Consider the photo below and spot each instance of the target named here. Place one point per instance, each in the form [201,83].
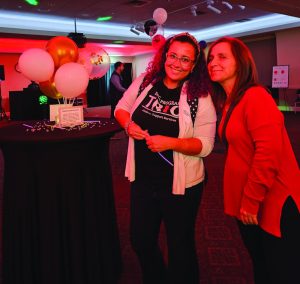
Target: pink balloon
[95,60]
[36,64]
[71,80]
[160,15]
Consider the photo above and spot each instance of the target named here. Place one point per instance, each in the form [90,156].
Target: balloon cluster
[154,27]
[61,69]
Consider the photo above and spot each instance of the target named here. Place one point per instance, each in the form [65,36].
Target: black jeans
[150,205]
[275,260]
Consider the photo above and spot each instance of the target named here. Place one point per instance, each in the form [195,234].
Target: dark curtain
[98,90]
[127,74]
[96,94]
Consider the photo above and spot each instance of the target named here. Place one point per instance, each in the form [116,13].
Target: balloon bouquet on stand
[63,73]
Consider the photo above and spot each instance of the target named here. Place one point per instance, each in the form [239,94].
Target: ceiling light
[102,19]
[32,2]
[118,41]
[242,7]
[134,31]
[194,10]
[227,4]
[140,27]
[212,8]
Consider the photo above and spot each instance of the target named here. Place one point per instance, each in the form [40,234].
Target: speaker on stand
[2,78]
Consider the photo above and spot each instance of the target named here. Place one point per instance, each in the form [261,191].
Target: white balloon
[71,79]
[36,64]
[160,15]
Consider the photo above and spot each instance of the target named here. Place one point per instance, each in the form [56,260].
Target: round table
[59,221]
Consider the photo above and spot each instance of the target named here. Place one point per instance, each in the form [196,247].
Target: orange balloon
[63,50]
[48,88]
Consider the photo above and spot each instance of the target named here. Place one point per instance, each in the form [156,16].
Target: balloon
[159,30]
[63,50]
[96,61]
[158,41]
[48,88]
[150,27]
[84,59]
[160,15]
[36,64]
[71,80]
[202,44]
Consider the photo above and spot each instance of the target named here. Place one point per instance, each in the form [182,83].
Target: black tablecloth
[59,223]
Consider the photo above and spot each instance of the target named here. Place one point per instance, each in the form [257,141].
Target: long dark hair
[246,73]
[198,81]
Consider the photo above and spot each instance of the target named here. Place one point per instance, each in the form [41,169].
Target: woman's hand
[159,143]
[136,132]
[247,218]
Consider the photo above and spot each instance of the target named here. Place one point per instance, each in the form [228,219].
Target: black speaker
[2,75]
[24,105]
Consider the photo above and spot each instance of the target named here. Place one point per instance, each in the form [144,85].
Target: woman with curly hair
[170,119]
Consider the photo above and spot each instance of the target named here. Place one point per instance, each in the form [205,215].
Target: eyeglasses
[184,61]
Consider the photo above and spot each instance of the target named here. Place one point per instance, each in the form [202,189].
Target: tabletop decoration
[48,126]
[63,74]
[55,68]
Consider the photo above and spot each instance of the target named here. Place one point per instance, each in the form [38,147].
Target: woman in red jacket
[261,174]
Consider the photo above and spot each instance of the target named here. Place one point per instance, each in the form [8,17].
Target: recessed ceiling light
[118,41]
[32,2]
[102,19]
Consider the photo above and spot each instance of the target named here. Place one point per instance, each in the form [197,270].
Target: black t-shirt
[158,113]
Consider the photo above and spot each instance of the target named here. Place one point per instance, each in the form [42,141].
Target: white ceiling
[56,17]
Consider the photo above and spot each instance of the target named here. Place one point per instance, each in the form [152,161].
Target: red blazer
[261,170]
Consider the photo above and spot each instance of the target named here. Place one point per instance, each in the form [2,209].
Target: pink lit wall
[288,53]
[14,81]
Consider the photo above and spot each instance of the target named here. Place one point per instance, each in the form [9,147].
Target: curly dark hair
[198,81]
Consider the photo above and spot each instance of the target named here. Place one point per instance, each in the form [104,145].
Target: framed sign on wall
[280,76]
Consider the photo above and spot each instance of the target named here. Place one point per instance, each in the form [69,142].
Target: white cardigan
[188,170]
